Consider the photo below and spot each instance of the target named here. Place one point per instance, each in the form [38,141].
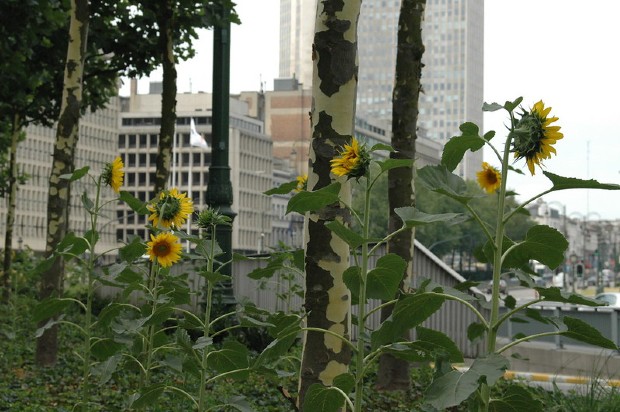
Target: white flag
[195,139]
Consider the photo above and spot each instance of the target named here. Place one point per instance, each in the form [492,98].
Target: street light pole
[219,195]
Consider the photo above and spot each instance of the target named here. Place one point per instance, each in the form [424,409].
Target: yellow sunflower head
[172,209]
[302,183]
[113,174]
[489,178]
[353,160]
[164,248]
[534,136]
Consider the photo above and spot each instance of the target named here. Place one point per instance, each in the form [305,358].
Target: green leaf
[394,163]
[583,332]
[132,251]
[491,107]
[475,331]
[489,135]
[77,174]
[454,150]
[555,294]
[45,264]
[381,146]
[86,202]
[283,189]
[412,217]
[51,322]
[542,243]
[135,204]
[148,396]
[105,348]
[439,179]
[239,403]
[305,201]
[72,245]
[435,342]
[231,357]
[454,387]
[286,330]
[105,369]
[49,308]
[384,279]
[321,398]
[563,183]
[510,106]
[409,312]
[352,277]
[516,398]
[213,277]
[352,238]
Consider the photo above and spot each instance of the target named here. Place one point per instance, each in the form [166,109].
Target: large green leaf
[352,277]
[562,183]
[49,308]
[542,243]
[105,348]
[555,294]
[77,174]
[283,189]
[134,203]
[454,150]
[394,163]
[133,250]
[305,201]
[409,312]
[441,180]
[581,331]
[383,281]
[320,398]
[428,344]
[454,387]
[148,396]
[72,245]
[285,331]
[352,238]
[412,217]
[232,356]
[105,369]
[516,398]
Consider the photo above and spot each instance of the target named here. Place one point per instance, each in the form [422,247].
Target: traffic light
[579,269]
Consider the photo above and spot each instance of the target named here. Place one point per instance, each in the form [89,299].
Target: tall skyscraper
[453,34]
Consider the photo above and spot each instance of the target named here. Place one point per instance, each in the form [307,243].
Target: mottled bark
[168,96]
[10,209]
[393,373]
[63,163]
[327,299]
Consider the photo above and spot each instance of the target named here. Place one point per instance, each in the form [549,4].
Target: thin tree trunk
[393,373]
[10,210]
[63,163]
[168,98]
[327,299]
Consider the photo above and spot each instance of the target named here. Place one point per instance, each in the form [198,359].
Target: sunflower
[165,248]
[353,160]
[489,178]
[113,174]
[534,136]
[172,209]
[302,183]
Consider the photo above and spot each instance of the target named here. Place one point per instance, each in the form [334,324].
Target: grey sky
[561,51]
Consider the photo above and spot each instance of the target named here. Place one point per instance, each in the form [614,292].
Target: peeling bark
[393,373]
[63,163]
[10,210]
[168,97]
[327,299]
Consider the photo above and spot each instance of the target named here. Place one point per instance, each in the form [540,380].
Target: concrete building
[98,134]
[250,162]
[452,78]
[286,111]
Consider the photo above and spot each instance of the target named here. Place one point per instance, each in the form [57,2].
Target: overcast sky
[562,51]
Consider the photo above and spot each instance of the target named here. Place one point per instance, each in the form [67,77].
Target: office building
[452,78]
[96,147]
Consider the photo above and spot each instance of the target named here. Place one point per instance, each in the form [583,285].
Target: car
[502,286]
[612,299]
